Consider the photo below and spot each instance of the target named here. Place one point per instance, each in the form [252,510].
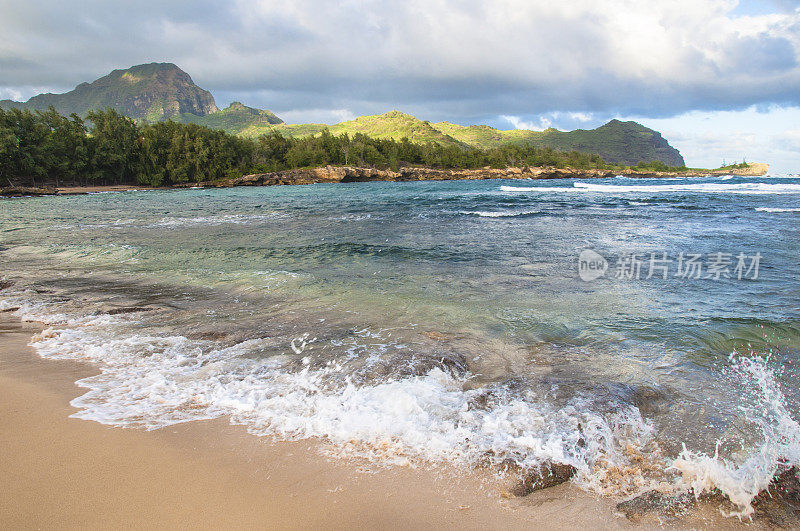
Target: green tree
[115,147]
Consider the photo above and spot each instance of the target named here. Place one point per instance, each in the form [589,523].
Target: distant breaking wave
[485,214]
[704,188]
[768,209]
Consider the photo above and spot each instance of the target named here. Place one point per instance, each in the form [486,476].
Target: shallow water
[439,320]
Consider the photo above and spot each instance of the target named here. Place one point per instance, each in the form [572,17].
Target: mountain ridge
[162,91]
[152,92]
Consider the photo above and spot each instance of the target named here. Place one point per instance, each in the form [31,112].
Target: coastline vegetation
[44,147]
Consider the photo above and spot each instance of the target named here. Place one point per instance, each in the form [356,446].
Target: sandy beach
[61,472]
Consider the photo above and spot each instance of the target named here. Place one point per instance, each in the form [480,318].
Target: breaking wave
[778,449]
[703,188]
[506,214]
[278,389]
[777,210]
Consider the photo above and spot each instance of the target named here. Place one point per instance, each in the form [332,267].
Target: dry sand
[59,472]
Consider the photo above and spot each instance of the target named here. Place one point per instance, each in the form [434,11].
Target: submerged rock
[780,502]
[543,477]
[213,335]
[658,503]
[129,309]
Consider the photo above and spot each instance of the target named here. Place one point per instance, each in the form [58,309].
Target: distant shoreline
[351,174]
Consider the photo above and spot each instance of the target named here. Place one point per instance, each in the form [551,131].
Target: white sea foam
[154,381]
[176,222]
[742,479]
[506,214]
[777,210]
[700,188]
[538,189]
[222,219]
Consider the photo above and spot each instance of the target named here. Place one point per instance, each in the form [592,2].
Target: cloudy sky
[720,78]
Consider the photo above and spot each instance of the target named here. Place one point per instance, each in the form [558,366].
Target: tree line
[44,147]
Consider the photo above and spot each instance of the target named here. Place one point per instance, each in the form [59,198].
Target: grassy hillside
[616,142]
[236,119]
[394,124]
[483,136]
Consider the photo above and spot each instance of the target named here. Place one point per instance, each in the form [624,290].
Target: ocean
[644,331]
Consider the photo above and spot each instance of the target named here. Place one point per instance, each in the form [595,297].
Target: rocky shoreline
[352,174]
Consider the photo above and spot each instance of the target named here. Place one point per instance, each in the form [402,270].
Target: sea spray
[779,448]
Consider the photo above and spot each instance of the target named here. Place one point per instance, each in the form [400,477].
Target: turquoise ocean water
[440,321]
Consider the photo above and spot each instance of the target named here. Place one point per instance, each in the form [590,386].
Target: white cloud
[705,139]
[581,116]
[790,141]
[519,123]
[321,116]
[8,93]
[23,93]
[503,56]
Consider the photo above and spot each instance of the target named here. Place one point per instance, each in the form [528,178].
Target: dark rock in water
[5,284]
[437,336]
[480,402]
[9,310]
[209,336]
[43,291]
[658,503]
[129,309]
[780,503]
[419,365]
[543,477]
[649,400]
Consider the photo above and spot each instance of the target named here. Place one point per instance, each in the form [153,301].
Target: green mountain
[237,119]
[616,142]
[162,91]
[394,124]
[152,92]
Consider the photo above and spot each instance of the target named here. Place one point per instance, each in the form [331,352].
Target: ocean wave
[506,214]
[178,222]
[153,381]
[702,188]
[276,387]
[222,219]
[537,189]
[742,479]
[770,209]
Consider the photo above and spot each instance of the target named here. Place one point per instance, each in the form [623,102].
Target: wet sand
[59,472]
